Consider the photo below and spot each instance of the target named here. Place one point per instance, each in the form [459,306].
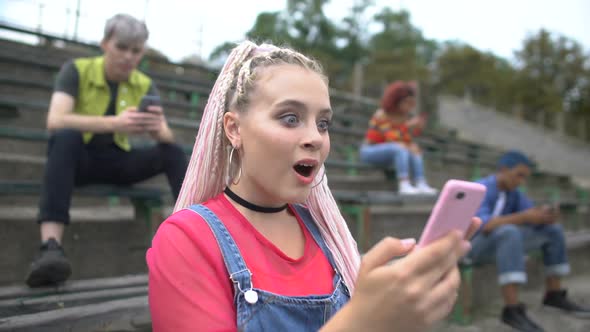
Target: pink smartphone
[457,204]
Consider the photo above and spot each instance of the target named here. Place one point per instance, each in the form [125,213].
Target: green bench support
[463,309]
[147,201]
[172,93]
[144,65]
[194,105]
[361,216]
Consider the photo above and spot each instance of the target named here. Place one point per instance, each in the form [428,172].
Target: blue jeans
[396,155]
[508,244]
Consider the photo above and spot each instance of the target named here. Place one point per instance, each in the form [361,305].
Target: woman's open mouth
[305,170]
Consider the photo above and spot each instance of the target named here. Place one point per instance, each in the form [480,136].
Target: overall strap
[312,227]
[234,262]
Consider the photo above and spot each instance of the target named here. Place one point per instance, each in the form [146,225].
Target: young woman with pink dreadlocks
[257,243]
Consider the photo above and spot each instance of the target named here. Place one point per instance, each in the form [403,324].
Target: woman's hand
[417,122]
[412,293]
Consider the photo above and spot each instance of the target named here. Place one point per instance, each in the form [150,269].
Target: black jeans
[71,163]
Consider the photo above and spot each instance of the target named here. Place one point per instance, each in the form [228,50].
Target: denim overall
[259,310]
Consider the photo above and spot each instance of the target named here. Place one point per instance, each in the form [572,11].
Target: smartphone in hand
[149,100]
[457,204]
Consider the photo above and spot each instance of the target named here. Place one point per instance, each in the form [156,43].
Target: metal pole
[67,25]
[145,10]
[40,19]
[200,41]
[77,20]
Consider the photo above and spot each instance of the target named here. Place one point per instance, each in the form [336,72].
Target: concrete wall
[554,152]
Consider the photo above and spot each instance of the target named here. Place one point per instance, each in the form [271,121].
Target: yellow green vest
[94,93]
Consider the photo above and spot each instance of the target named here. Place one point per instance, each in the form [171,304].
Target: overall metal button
[251,296]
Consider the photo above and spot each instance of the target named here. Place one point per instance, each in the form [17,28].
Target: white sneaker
[405,188]
[424,188]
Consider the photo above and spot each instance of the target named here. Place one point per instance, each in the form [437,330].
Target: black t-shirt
[67,81]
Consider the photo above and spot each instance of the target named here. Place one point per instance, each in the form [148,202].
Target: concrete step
[17,166]
[406,221]
[101,241]
[39,73]
[360,182]
[103,304]
[24,200]
[32,93]
[25,117]
[19,146]
[125,314]
[400,220]
[25,306]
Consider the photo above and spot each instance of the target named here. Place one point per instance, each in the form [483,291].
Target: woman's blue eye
[324,125]
[290,119]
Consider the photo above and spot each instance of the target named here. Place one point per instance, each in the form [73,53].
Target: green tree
[309,27]
[553,74]
[304,26]
[352,42]
[221,52]
[354,34]
[399,33]
[270,27]
[398,51]
[314,34]
[463,70]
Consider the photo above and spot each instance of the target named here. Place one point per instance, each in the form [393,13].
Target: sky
[179,28]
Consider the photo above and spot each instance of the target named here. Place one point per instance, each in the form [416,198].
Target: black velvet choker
[251,206]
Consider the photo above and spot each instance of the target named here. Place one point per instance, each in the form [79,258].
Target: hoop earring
[322,179]
[231,155]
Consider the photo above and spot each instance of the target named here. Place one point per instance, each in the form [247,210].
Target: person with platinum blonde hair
[257,243]
[93,112]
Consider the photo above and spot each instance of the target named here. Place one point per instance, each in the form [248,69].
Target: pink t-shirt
[189,286]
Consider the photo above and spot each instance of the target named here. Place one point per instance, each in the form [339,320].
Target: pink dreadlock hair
[208,172]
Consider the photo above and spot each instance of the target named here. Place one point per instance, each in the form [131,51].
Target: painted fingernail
[408,242]
[466,246]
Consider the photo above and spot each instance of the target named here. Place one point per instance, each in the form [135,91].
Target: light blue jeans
[507,245]
[396,155]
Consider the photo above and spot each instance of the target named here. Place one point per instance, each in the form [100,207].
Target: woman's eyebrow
[299,105]
[292,103]
[326,111]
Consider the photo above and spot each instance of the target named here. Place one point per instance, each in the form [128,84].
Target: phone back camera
[460,195]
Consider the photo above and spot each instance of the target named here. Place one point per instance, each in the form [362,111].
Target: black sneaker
[558,299]
[50,267]
[515,316]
